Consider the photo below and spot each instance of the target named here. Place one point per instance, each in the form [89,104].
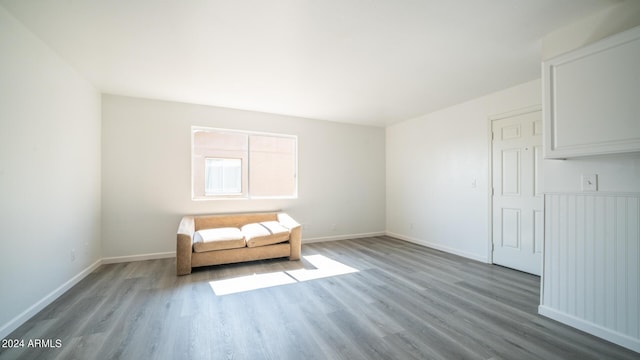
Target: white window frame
[245,194]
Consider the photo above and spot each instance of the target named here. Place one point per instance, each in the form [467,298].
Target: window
[236,164]
[222,176]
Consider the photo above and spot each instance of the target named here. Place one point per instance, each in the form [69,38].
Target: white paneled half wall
[591,264]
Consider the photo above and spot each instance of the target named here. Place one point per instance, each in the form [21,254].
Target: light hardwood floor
[404,302]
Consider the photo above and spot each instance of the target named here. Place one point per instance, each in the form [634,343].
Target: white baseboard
[48,299]
[45,301]
[130,258]
[16,322]
[439,247]
[341,237]
[591,328]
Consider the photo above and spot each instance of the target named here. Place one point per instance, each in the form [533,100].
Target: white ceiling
[372,62]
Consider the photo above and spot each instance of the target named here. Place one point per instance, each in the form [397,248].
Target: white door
[517,208]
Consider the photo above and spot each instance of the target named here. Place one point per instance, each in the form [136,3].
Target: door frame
[490,120]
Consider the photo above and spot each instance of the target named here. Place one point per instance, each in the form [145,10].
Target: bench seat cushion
[265,233]
[218,239]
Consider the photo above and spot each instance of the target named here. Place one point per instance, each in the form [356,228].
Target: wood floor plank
[404,301]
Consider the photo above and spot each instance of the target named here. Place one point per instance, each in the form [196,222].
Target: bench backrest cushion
[231,220]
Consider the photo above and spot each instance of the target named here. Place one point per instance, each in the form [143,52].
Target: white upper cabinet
[591,99]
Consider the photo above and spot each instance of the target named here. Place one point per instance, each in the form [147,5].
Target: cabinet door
[592,98]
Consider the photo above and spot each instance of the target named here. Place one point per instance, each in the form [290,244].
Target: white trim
[246,193]
[17,321]
[440,247]
[591,328]
[130,258]
[48,299]
[516,112]
[490,120]
[241,131]
[490,189]
[544,244]
[594,193]
[342,237]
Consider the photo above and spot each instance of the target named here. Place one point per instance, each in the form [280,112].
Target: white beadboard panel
[591,263]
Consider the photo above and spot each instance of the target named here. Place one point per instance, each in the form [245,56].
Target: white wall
[591,277]
[146,173]
[432,162]
[616,173]
[612,20]
[49,174]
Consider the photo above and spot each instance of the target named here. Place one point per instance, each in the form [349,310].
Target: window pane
[211,179]
[272,166]
[223,176]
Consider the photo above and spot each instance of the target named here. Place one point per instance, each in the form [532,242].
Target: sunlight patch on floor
[250,282]
[323,268]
